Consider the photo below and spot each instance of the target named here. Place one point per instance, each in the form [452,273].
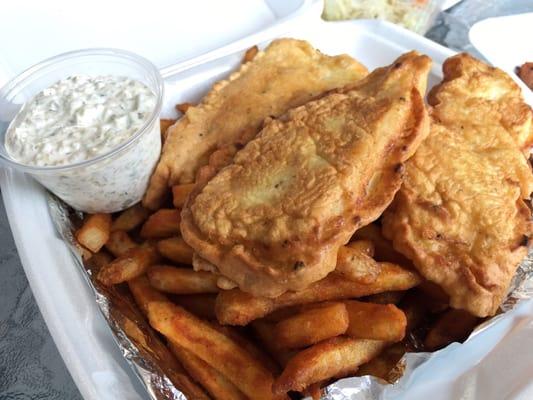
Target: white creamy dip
[78,119]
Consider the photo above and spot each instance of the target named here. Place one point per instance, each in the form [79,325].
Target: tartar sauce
[78,119]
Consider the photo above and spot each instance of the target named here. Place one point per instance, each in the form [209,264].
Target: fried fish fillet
[274,219]
[460,215]
[287,74]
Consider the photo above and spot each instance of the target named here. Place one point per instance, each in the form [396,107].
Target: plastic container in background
[415,15]
[109,182]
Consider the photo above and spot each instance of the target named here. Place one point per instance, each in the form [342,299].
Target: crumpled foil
[139,345]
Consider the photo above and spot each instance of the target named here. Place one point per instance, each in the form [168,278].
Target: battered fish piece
[460,215]
[274,219]
[287,74]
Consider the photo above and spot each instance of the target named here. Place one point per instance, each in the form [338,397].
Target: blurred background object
[416,15]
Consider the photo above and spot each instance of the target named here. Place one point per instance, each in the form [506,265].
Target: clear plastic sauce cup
[111,181]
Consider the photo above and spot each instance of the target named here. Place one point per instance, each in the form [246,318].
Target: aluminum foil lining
[138,346]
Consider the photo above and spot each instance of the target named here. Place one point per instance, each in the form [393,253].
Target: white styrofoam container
[495,364]
[506,42]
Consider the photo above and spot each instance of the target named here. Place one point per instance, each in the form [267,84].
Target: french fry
[235,307]
[164,125]
[383,366]
[312,326]
[356,266]
[213,347]
[94,232]
[334,357]
[201,305]
[175,249]
[363,246]
[144,293]
[130,218]
[314,391]
[265,333]
[181,280]
[180,194]
[130,265]
[183,107]
[175,372]
[213,381]
[383,248]
[225,283]
[283,313]
[248,345]
[119,243]
[375,321]
[83,252]
[452,326]
[250,54]
[162,224]
[97,261]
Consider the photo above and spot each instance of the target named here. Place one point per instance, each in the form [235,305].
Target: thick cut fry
[384,365]
[150,347]
[250,54]
[375,321]
[452,326]
[213,381]
[355,265]
[364,246]
[235,307]
[175,249]
[393,297]
[265,333]
[383,248]
[213,347]
[314,391]
[165,360]
[83,252]
[201,305]
[119,243]
[180,193]
[130,219]
[331,358]
[132,264]
[225,283]
[312,326]
[162,224]
[144,293]
[97,261]
[233,333]
[94,232]
[283,313]
[181,280]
